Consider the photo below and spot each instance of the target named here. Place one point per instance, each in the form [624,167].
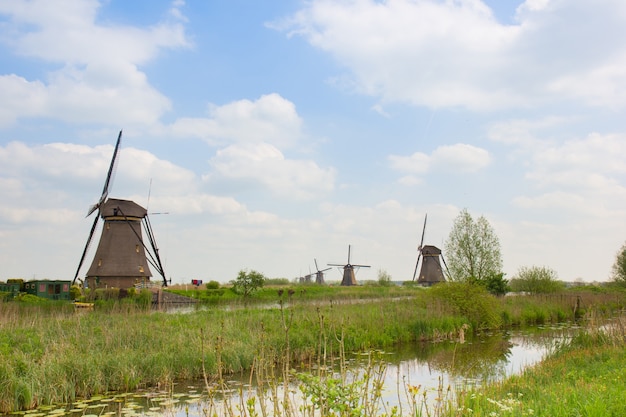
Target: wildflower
[413,389]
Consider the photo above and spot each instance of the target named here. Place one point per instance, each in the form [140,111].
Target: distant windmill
[431,272]
[319,275]
[120,260]
[348,271]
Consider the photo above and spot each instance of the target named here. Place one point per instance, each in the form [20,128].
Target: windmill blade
[446,265]
[423,232]
[323,270]
[155,249]
[348,254]
[316,267]
[82,258]
[108,181]
[416,264]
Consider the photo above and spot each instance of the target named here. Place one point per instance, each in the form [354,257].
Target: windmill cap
[116,207]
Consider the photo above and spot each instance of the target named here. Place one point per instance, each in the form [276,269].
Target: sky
[267,135]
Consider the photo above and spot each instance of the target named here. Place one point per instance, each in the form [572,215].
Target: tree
[472,250]
[619,267]
[536,280]
[248,282]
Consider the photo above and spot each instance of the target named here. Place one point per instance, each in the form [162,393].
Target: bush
[212,285]
[472,301]
[75,293]
[276,281]
[536,280]
[384,279]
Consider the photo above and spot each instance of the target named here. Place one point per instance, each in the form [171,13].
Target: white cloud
[457,158]
[94,74]
[456,53]
[521,132]
[417,163]
[460,157]
[264,164]
[270,119]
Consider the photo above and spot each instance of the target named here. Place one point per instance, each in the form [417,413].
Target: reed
[50,354]
[586,376]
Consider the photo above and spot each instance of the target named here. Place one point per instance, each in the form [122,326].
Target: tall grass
[584,377]
[49,354]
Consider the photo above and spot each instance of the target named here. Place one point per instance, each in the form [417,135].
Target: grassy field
[584,378]
[50,355]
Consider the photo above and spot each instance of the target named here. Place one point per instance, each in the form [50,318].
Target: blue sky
[276,133]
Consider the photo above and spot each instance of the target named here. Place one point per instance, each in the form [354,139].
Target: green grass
[584,378]
[49,354]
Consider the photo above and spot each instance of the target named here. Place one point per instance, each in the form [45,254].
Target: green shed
[52,290]
[10,288]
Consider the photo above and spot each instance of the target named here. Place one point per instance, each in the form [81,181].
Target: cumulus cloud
[269,119]
[93,68]
[35,180]
[458,158]
[264,164]
[580,175]
[448,54]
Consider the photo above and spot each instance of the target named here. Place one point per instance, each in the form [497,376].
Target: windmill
[348,271]
[319,275]
[120,260]
[431,272]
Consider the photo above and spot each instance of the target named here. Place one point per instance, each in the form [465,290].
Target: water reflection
[431,366]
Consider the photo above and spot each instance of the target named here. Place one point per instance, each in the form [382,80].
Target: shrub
[212,285]
[536,280]
[384,279]
[471,301]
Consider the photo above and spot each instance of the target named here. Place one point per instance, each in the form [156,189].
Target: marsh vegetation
[51,355]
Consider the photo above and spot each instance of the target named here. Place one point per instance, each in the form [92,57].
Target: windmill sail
[105,192]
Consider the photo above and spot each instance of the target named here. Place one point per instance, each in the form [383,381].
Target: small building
[52,290]
[10,288]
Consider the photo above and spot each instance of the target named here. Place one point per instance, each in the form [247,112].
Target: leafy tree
[619,267]
[472,250]
[536,280]
[248,282]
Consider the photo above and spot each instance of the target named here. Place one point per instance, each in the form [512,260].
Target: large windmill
[431,272]
[120,260]
[348,271]
[319,275]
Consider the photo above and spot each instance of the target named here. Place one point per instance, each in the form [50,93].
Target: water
[432,369]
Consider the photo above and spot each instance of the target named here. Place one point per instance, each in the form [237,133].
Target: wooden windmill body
[431,271]
[122,258]
[349,277]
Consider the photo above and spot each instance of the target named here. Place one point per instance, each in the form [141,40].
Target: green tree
[619,267]
[472,251]
[248,282]
[536,280]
